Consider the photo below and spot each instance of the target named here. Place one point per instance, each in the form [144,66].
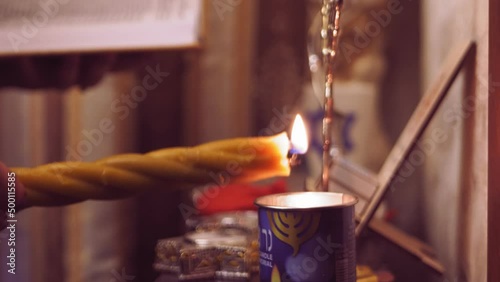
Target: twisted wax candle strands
[220,162]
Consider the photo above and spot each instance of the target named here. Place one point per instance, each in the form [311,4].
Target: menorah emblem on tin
[293,228]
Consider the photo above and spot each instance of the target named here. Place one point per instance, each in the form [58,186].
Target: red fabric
[237,197]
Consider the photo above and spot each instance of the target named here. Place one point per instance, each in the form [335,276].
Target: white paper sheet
[53,26]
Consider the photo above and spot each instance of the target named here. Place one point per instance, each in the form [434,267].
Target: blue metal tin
[307,237]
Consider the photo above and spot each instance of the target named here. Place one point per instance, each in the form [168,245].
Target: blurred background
[251,71]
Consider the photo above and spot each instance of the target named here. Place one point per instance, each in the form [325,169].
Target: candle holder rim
[263,201]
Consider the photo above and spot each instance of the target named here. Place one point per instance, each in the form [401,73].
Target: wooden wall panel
[98,235]
[47,259]
[281,58]
[72,221]
[494,144]
[160,126]
[29,135]
[456,173]
[218,81]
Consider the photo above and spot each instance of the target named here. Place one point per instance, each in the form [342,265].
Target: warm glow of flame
[282,145]
[300,141]
[275,275]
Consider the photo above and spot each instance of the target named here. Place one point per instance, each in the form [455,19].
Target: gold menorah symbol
[293,228]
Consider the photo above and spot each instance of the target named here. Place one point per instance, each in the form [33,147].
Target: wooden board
[494,145]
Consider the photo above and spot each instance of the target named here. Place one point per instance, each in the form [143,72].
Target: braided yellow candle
[219,162]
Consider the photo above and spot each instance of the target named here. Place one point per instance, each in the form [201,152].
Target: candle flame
[300,141]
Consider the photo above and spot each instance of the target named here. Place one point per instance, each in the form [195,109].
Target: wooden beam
[72,221]
[408,243]
[494,144]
